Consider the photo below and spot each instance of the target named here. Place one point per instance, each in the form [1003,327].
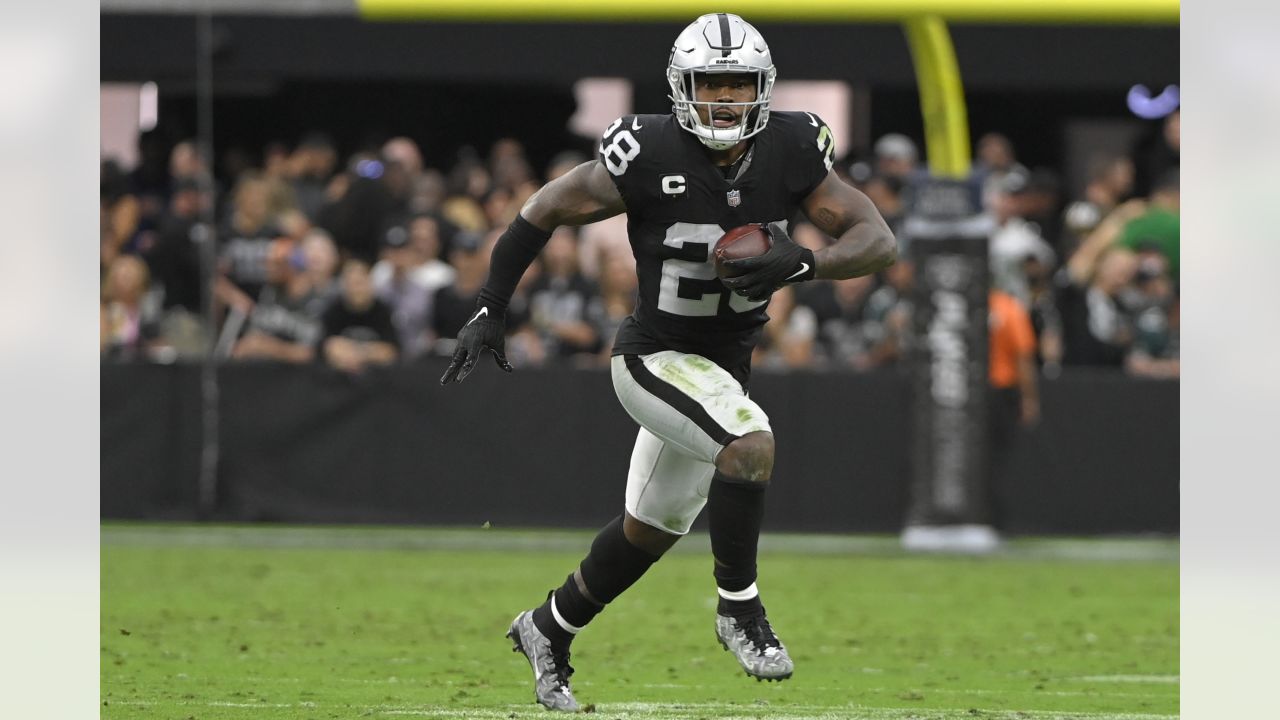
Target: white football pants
[688,409]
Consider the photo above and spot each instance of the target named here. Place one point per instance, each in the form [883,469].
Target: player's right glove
[486,330]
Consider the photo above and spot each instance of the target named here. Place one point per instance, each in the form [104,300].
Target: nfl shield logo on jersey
[734,197]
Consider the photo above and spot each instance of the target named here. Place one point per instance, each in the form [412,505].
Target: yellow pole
[946,121]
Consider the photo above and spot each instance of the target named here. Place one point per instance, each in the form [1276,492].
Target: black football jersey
[678,206]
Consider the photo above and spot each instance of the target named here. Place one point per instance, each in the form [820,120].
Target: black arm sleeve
[512,255]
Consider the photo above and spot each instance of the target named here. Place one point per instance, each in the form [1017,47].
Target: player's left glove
[487,330]
[786,262]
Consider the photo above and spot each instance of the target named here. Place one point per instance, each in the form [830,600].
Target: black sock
[612,566]
[735,511]
[572,605]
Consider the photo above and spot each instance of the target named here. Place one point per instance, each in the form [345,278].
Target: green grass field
[255,622]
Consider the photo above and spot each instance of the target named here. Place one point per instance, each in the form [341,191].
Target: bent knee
[648,538]
[750,457]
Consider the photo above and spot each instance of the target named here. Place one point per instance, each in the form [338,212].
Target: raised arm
[583,195]
[864,243]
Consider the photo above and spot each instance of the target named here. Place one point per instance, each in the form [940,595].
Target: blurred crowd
[379,259]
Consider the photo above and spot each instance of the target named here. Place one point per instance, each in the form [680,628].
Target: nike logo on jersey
[479,314]
[804,268]
[635,124]
[812,120]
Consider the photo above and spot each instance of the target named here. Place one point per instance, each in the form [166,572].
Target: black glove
[786,262]
[486,330]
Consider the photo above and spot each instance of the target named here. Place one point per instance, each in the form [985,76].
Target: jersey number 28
[619,153]
[689,286]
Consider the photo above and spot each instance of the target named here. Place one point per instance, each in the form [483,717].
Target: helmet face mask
[720,44]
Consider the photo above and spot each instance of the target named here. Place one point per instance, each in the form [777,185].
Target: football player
[681,362]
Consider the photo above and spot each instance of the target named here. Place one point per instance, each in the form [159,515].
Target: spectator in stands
[233,162]
[427,193]
[281,203]
[885,192]
[497,205]
[246,239]
[1041,204]
[887,317]
[508,165]
[1095,328]
[1014,396]
[407,283]
[604,242]
[1015,240]
[174,261]
[399,186]
[121,213]
[358,330]
[469,184]
[276,162]
[453,304]
[284,324]
[404,151]
[431,236]
[1152,304]
[1011,364]
[1109,182]
[149,180]
[320,264]
[360,214]
[186,162]
[826,327]
[128,321]
[616,301]
[558,300]
[1045,319]
[1159,225]
[311,168]
[796,339]
[896,157]
[293,224]
[995,161]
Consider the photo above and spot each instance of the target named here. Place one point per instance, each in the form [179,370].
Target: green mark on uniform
[744,415]
[674,375]
[699,363]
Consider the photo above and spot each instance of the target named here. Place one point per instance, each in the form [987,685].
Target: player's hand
[486,330]
[786,262]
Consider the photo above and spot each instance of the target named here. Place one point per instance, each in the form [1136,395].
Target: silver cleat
[551,670]
[756,647]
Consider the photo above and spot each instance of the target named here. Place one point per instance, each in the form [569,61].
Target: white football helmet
[720,43]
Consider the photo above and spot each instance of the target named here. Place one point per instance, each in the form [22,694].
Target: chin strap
[717,144]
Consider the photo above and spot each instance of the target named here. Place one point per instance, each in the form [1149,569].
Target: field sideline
[258,622]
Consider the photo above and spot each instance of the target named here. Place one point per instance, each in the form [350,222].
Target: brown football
[741,242]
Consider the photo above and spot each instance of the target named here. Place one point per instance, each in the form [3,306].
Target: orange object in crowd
[1011,336]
